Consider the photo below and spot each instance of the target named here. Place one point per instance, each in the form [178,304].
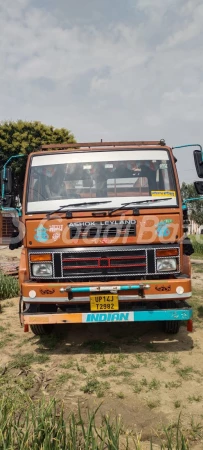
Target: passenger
[54,182]
[100,176]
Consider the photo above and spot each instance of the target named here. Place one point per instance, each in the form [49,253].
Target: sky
[106,69]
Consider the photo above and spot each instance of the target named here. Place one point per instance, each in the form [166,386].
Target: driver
[54,181]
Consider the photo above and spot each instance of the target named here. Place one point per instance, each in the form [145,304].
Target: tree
[23,138]
[195,208]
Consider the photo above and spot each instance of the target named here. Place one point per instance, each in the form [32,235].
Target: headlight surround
[166,265]
[42,270]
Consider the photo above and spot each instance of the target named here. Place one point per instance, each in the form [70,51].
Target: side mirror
[198,163]
[199,187]
[6,181]
[6,187]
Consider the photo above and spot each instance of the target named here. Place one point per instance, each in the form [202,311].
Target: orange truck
[102,231]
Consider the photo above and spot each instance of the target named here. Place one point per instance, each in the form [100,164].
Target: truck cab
[103,237]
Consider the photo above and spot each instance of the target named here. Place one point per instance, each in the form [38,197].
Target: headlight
[166,264]
[42,270]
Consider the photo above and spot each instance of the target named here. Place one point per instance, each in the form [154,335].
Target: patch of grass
[22,361]
[9,287]
[138,385]
[196,431]
[26,383]
[175,361]
[177,404]
[185,372]
[102,362]
[137,388]
[174,438]
[194,398]
[94,386]
[111,371]
[68,365]
[197,245]
[120,395]
[63,378]
[153,403]
[144,382]
[124,373]
[134,366]
[41,358]
[173,384]
[154,384]
[102,388]
[4,341]
[161,357]
[42,425]
[160,367]
[81,369]
[25,360]
[2,329]
[119,358]
[141,358]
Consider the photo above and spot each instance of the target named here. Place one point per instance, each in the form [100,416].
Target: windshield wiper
[75,204]
[139,202]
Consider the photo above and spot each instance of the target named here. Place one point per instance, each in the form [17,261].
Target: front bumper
[151,290]
[101,317]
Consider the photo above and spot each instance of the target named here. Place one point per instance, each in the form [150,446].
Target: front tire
[171,326]
[41,330]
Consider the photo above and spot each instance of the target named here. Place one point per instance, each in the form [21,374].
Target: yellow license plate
[101,302]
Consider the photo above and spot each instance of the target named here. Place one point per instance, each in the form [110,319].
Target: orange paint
[52,318]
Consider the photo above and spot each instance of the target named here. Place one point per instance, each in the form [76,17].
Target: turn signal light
[167,252]
[41,257]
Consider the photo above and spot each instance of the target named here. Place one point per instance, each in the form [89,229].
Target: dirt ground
[134,370]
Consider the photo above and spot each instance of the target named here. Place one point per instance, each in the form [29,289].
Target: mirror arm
[191,145]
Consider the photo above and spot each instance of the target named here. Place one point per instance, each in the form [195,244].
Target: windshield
[119,176]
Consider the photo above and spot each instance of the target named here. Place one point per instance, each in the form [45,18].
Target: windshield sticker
[163,166]
[163,229]
[41,234]
[87,167]
[163,193]
[108,166]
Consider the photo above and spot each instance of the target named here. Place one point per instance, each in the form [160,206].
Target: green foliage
[42,426]
[195,208]
[9,287]
[26,137]
[197,244]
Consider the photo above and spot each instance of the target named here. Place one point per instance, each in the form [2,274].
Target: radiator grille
[108,264]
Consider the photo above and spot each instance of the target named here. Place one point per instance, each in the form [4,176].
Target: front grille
[102,231]
[105,265]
